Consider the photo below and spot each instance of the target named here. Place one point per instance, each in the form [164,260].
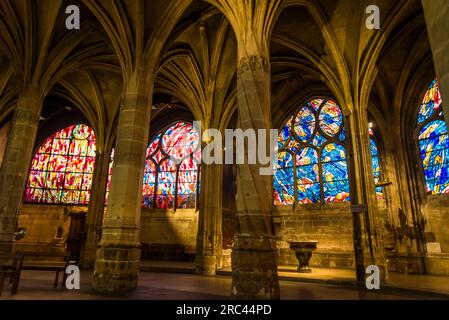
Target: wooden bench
[10,268]
[57,262]
[177,250]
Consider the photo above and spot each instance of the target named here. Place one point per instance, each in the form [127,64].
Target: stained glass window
[171,170]
[62,168]
[108,184]
[312,165]
[376,163]
[434,141]
[171,176]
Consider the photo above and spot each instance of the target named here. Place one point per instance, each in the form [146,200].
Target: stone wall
[42,223]
[169,226]
[436,213]
[331,225]
[158,226]
[404,257]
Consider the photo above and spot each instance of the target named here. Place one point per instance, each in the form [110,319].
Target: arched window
[312,165]
[62,168]
[434,142]
[377,169]
[171,175]
[172,168]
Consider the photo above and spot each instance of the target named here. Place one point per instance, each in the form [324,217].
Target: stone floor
[435,285]
[432,284]
[36,285]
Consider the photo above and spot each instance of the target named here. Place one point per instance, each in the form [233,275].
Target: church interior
[91,119]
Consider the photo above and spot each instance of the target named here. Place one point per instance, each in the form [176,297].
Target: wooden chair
[10,267]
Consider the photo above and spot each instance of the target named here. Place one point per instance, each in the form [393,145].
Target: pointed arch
[433,141]
[62,168]
[312,165]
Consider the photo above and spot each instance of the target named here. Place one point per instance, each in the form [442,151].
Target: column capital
[253,63]
[26,115]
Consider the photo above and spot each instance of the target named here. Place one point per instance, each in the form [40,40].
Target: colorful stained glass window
[171,173]
[62,169]
[312,165]
[376,163]
[108,185]
[171,170]
[434,141]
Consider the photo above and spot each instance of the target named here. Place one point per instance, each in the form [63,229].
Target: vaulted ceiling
[317,47]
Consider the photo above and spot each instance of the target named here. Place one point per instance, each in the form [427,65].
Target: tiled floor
[37,285]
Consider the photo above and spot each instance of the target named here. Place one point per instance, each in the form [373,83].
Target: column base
[116,270]
[206,264]
[254,275]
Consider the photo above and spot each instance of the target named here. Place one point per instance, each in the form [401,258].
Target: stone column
[96,208]
[209,238]
[368,235]
[16,162]
[436,13]
[254,265]
[118,256]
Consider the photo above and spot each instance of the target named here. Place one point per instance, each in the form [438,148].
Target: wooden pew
[57,262]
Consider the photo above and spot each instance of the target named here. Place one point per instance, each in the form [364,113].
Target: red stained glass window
[171,173]
[171,169]
[62,169]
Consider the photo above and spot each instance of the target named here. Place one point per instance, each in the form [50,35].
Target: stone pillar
[16,163]
[254,263]
[4,133]
[368,235]
[436,13]
[209,238]
[96,208]
[118,256]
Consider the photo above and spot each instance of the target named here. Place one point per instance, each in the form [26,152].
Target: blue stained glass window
[315,138]
[377,170]
[431,103]
[434,142]
[283,136]
[304,124]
